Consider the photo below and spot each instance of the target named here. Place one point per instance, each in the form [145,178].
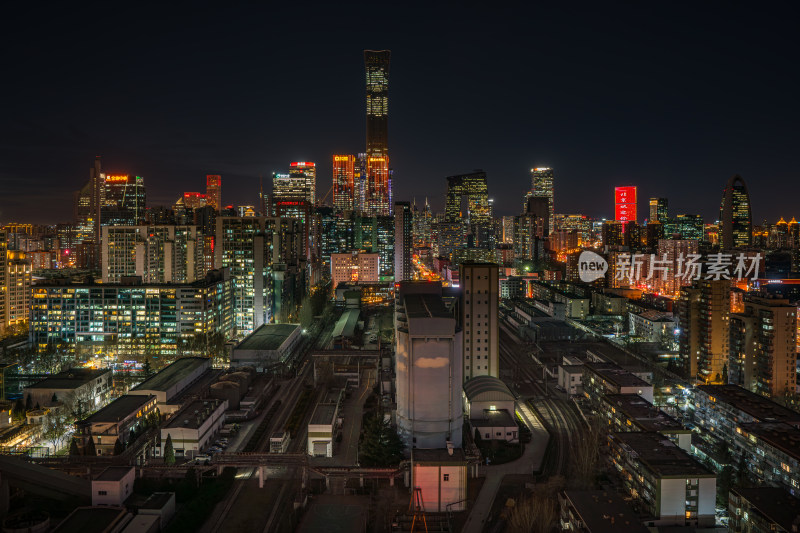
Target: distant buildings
[735,219]
[378,184]
[542,187]
[214,192]
[15,286]
[356,268]
[659,210]
[403,241]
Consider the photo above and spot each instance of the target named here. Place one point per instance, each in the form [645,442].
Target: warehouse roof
[172,374]
[268,337]
[119,409]
[70,379]
[482,384]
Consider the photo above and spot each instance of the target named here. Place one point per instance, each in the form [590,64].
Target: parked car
[202,460]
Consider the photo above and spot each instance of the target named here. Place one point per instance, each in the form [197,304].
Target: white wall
[116,492]
[431,480]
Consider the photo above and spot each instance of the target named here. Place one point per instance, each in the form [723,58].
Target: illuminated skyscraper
[376,63]
[378,186]
[344,184]
[307,172]
[123,200]
[658,209]
[467,208]
[735,220]
[542,186]
[214,191]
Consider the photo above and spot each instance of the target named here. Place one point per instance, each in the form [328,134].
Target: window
[445,477]
[102,492]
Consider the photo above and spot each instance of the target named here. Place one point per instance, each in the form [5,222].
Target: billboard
[625,204]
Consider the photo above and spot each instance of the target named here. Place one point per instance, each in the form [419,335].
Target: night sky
[672,99]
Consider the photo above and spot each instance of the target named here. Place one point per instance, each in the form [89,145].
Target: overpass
[40,480]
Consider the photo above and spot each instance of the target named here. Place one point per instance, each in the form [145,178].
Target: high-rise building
[428,366]
[670,253]
[214,191]
[480,292]
[306,173]
[542,186]
[689,226]
[378,185]
[763,346]
[344,184]
[403,241]
[474,213]
[625,204]
[735,219]
[292,198]
[124,201]
[423,221]
[156,254]
[355,267]
[704,324]
[15,286]
[612,233]
[376,63]
[658,209]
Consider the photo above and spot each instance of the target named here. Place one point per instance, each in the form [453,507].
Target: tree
[725,374]
[585,454]
[91,449]
[56,427]
[54,399]
[169,451]
[380,444]
[28,403]
[18,411]
[73,448]
[118,449]
[535,514]
[147,368]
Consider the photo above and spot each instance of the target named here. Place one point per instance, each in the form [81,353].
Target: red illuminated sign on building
[302,164]
[625,204]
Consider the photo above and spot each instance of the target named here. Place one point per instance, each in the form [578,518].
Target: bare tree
[538,513]
[585,455]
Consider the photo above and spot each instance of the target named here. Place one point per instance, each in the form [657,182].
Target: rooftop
[648,417]
[604,512]
[773,503]
[268,337]
[157,500]
[660,455]
[482,384]
[194,414]
[323,414]
[171,375]
[346,325]
[114,473]
[616,375]
[425,306]
[497,418]
[91,520]
[759,407]
[119,409]
[784,437]
[439,456]
[70,379]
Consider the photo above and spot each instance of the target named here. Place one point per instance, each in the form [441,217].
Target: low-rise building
[600,379]
[86,385]
[652,326]
[762,510]
[194,427]
[170,382]
[161,505]
[279,441]
[113,486]
[103,519]
[489,406]
[321,430]
[665,482]
[597,511]
[115,422]
[441,475]
[570,379]
[268,346]
[772,453]
[631,412]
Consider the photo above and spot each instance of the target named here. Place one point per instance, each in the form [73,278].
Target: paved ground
[530,461]
[333,514]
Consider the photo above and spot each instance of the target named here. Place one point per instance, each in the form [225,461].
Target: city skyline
[662,137]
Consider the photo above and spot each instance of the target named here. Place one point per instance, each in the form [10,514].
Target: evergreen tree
[91,449]
[18,412]
[380,444]
[54,399]
[117,447]
[169,452]
[725,374]
[147,368]
[73,448]
[28,403]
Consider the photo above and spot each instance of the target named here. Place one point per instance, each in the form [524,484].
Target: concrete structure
[735,219]
[597,511]
[115,422]
[194,427]
[600,379]
[771,452]
[570,379]
[15,286]
[356,267]
[170,382]
[762,509]
[403,241]
[428,367]
[160,505]
[268,346]
[279,441]
[480,293]
[490,408]
[87,385]
[442,478]
[321,430]
[631,412]
[102,519]
[113,486]
[704,323]
[666,483]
